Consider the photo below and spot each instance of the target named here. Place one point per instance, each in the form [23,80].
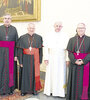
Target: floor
[17,94]
[41,96]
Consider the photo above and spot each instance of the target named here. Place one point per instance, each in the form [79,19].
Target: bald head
[32,25]
[58,26]
[31,28]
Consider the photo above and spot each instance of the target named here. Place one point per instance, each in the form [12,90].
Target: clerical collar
[81,37]
[31,35]
[7,26]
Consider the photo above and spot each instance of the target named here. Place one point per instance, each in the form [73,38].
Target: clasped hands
[79,62]
[46,62]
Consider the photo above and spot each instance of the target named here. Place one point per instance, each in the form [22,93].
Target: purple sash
[10,45]
[84,95]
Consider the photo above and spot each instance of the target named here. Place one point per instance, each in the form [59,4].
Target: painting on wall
[21,10]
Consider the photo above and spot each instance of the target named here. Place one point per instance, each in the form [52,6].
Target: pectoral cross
[78,52]
[6,37]
[30,48]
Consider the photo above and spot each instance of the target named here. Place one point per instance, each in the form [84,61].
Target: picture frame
[21,10]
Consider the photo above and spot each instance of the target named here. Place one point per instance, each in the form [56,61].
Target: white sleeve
[66,55]
[45,53]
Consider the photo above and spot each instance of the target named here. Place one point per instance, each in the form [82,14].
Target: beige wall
[70,12]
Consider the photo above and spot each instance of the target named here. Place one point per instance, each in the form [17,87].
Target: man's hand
[15,58]
[79,62]
[21,65]
[46,62]
[67,63]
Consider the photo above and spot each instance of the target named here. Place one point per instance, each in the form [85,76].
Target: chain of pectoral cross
[30,43]
[78,47]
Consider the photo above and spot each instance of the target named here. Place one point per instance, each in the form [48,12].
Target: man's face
[58,27]
[81,29]
[31,28]
[7,20]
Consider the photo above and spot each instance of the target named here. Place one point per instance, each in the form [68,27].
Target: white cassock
[54,50]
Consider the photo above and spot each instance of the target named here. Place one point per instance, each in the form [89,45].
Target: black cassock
[75,88]
[8,39]
[30,73]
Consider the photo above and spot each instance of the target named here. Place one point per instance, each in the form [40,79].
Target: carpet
[32,99]
[17,95]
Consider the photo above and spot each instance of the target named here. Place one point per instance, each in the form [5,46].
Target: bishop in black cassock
[79,72]
[8,39]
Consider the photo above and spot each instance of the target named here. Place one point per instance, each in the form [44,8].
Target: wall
[70,12]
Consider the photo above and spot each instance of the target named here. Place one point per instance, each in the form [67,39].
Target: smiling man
[79,54]
[30,57]
[55,44]
[8,39]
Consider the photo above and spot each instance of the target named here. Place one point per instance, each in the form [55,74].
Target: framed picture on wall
[21,10]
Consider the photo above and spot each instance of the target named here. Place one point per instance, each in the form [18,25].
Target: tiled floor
[41,96]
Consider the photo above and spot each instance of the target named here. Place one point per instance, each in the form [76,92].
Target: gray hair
[7,15]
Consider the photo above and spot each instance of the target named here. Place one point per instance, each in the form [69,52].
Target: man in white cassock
[56,59]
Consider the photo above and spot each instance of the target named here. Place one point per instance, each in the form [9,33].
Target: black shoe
[10,93]
[51,94]
[22,94]
[35,93]
[3,94]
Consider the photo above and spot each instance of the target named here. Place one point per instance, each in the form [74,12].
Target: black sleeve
[70,52]
[71,57]
[16,38]
[20,55]
[40,49]
[86,59]
[40,54]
